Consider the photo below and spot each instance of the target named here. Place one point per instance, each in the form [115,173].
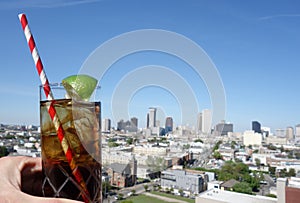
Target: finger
[32,177]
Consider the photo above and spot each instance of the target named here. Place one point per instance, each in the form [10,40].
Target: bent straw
[52,112]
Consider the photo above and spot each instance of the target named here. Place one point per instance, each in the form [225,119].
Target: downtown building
[223,128]
[106,125]
[204,121]
[169,125]
[256,127]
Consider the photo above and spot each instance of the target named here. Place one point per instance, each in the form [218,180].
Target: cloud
[279,16]
[17,4]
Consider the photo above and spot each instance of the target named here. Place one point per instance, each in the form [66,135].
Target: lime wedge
[80,87]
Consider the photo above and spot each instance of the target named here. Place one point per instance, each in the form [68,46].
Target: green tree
[129,141]
[133,192]
[120,195]
[257,162]
[217,155]
[186,146]
[291,173]
[297,155]
[283,173]
[242,187]
[180,192]
[233,144]
[156,164]
[3,151]
[146,187]
[217,145]
[272,170]
[271,147]
[105,187]
[112,144]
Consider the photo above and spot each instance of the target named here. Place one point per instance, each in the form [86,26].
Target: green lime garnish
[80,87]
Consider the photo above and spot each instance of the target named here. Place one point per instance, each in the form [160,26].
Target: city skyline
[203,121]
[254,46]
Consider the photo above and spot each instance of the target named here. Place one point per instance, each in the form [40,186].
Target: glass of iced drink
[80,120]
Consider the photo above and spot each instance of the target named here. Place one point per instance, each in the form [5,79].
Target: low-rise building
[123,175]
[177,179]
[274,140]
[223,196]
[252,138]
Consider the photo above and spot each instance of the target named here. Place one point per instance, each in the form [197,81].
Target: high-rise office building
[199,122]
[206,121]
[297,132]
[289,133]
[152,117]
[169,124]
[256,127]
[147,124]
[134,122]
[106,125]
[223,128]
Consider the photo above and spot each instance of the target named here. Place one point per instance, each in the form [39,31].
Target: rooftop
[223,196]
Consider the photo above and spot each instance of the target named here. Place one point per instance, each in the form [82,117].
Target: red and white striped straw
[52,112]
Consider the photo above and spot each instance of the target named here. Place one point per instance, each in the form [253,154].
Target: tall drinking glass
[80,121]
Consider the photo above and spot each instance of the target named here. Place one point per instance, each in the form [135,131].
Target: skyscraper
[147,120]
[152,117]
[206,121]
[106,125]
[223,128]
[289,133]
[256,127]
[134,122]
[169,124]
[199,122]
[297,132]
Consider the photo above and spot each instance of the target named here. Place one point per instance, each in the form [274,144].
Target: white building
[106,125]
[222,196]
[261,157]
[152,117]
[297,132]
[289,133]
[206,121]
[276,140]
[148,150]
[252,138]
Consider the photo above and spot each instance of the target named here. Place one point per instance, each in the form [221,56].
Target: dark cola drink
[81,125]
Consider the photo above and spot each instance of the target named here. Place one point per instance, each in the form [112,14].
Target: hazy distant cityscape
[187,161]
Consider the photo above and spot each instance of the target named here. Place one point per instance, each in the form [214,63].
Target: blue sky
[254,45]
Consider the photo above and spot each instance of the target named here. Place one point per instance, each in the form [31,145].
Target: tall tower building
[147,125]
[106,125]
[297,132]
[256,127]
[199,122]
[289,133]
[152,117]
[134,122]
[223,128]
[206,121]
[169,124]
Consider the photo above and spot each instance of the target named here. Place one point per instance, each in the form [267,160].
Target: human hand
[21,181]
